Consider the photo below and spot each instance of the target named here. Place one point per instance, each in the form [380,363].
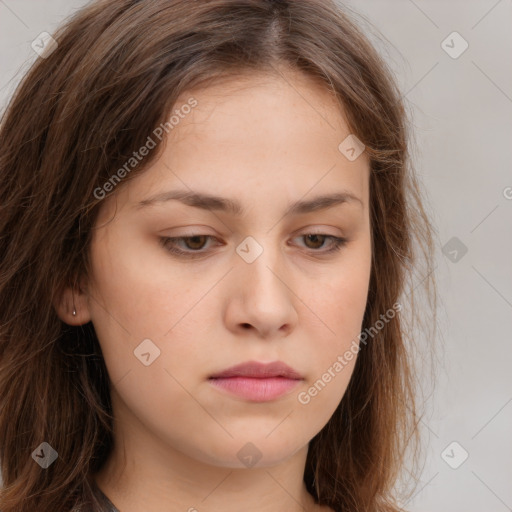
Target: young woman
[208,221]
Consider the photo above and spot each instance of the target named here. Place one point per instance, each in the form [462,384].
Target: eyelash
[337,244]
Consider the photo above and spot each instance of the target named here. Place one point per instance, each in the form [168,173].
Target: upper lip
[259,370]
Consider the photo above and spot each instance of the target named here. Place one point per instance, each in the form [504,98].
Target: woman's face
[250,285]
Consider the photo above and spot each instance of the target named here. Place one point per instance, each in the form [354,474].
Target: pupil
[315,237]
[194,239]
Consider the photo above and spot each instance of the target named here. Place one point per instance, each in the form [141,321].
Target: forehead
[261,102]
[256,133]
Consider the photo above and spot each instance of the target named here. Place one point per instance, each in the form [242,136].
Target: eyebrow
[223,204]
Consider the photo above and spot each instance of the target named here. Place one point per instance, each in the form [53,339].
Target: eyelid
[315,230]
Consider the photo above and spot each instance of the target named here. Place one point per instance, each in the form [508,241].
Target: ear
[71,299]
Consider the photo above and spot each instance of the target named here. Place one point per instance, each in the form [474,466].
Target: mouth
[257,382]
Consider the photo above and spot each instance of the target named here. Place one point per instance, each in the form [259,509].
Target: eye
[192,246]
[317,241]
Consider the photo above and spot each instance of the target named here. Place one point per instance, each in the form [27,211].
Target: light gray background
[462,112]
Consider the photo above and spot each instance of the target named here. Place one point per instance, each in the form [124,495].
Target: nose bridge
[259,254]
[262,274]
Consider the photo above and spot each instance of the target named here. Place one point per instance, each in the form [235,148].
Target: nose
[262,300]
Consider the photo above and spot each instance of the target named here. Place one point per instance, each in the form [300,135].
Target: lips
[257,382]
[256,370]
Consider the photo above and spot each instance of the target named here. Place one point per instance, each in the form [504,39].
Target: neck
[143,473]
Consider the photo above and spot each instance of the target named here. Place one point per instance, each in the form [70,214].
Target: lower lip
[256,389]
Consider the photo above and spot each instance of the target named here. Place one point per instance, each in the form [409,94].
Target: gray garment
[104,503]
[107,505]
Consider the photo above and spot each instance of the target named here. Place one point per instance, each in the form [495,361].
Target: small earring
[74,311]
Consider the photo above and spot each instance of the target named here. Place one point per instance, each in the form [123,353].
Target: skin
[265,141]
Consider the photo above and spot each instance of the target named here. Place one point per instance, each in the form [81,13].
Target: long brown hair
[75,119]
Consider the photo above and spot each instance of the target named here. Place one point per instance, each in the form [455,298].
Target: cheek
[138,295]
[333,355]
[338,298]
[319,399]
[337,307]
[136,285]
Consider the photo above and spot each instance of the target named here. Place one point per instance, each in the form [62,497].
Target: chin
[254,452]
